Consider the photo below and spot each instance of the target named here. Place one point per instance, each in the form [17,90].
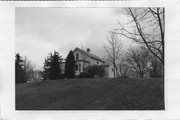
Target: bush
[124,76]
[85,75]
[61,76]
[156,70]
[96,71]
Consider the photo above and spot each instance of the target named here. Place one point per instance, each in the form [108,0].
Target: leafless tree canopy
[123,67]
[138,60]
[31,73]
[147,28]
[113,48]
[29,69]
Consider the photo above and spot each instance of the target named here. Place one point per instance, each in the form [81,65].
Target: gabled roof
[89,54]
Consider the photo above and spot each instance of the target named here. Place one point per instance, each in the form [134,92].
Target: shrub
[85,75]
[96,71]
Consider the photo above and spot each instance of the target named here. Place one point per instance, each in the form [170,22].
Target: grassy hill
[92,94]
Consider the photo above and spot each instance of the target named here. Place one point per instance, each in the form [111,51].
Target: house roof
[89,54]
[82,61]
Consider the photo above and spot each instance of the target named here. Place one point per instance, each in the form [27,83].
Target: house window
[112,69]
[97,62]
[77,56]
[77,67]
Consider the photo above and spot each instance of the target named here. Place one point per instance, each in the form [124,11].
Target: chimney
[88,50]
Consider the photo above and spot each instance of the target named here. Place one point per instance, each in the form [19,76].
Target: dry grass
[92,94]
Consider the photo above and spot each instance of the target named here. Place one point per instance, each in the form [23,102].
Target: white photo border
[7,68]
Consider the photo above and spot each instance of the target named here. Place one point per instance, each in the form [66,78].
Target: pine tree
[156,68]
[19,71]
[52,66]
[70,66]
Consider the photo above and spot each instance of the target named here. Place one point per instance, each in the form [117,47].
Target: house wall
[106,71]
[111,71]
[81,63]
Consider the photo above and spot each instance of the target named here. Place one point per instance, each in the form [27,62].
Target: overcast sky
[39,31]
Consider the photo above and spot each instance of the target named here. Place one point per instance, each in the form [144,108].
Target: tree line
[25,72]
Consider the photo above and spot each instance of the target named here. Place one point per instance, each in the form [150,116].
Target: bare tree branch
[148,28]
[113,48]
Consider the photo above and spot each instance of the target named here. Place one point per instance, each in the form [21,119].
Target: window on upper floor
[77,56]
[97,62]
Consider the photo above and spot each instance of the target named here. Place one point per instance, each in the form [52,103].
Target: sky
[39,31]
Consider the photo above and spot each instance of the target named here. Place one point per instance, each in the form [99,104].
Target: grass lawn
[92,94]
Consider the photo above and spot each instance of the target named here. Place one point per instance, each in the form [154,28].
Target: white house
[85,58]
[109,70]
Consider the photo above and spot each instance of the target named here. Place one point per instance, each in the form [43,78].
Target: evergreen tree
[70,66]
[156,68]
[19,70]
[52,66]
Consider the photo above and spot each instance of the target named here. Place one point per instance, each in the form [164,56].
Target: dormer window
[77,56]
[97,62]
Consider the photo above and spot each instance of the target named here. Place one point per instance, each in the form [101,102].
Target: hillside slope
[91,94]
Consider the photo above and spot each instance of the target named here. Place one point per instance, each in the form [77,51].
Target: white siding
[86,58]
[108,69]
[111,71]
[80,65]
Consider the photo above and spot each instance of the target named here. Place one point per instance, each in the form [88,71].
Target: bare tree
[138,60]
[113,48]
[147,28]
[123,67]
[29,69]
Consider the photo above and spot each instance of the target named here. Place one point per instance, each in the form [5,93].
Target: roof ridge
[90,54]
